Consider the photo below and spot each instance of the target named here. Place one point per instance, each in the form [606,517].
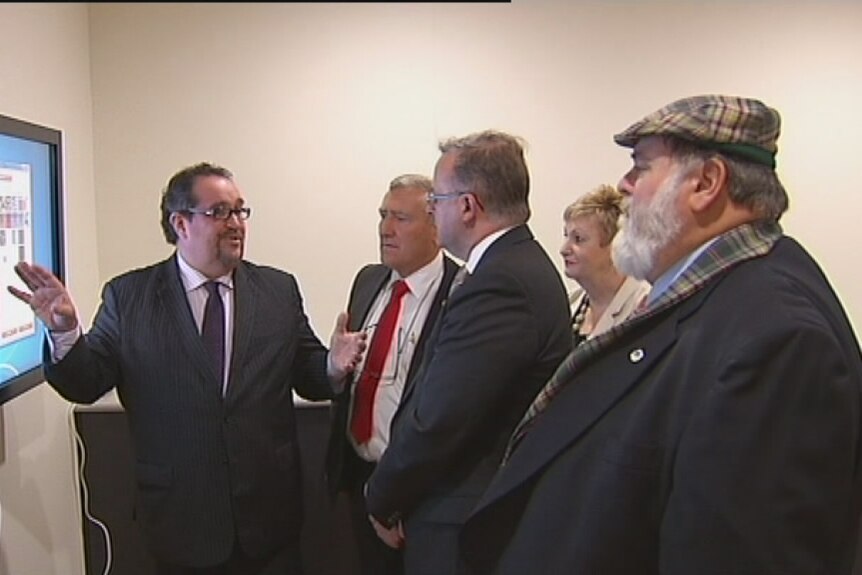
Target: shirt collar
[422,278]
[479,249]
[739,244]
[671,275]
[193,279]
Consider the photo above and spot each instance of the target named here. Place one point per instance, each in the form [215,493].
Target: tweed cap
[737,126]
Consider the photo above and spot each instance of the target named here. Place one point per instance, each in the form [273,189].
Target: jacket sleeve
[310,377]
[91,368]
[765,467]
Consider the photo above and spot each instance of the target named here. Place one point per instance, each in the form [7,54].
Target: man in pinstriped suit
[217,460]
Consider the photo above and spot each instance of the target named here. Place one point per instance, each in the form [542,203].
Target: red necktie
[381,341]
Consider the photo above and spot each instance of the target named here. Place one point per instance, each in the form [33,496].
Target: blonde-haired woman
[605,297]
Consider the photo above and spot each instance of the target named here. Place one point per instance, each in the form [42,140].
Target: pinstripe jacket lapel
[245,314]
[176,305]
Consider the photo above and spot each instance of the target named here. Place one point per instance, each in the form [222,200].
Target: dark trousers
[375,557]
[286,561]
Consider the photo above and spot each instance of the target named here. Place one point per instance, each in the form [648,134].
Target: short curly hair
[604,202]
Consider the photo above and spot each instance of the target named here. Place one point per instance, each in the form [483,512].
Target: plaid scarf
[742,243]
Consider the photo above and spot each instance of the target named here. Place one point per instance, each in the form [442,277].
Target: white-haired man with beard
[720,429]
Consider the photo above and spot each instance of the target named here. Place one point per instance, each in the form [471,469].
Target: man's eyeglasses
[222,212]
[434,198]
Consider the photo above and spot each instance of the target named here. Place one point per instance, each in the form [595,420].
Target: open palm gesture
[48,297]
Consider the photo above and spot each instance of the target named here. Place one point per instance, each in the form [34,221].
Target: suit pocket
[154,484]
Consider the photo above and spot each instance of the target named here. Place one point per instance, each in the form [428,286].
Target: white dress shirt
[415,306]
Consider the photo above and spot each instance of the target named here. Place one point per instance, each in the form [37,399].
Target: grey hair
[491,165]
[412,181]
[752,185]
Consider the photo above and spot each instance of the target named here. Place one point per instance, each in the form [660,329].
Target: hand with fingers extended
[48,297]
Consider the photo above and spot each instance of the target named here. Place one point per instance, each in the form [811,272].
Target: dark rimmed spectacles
[222,212]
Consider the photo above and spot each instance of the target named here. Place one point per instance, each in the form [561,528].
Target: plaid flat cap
[737,126]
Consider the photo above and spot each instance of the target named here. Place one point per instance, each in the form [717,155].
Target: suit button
[636,355]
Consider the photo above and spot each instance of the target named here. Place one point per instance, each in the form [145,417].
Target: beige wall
[45,78]
[317,107]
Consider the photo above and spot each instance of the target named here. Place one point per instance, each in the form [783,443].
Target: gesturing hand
[49,298]
[345,347]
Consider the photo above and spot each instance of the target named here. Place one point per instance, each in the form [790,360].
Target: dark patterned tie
[459,278]
[212,330]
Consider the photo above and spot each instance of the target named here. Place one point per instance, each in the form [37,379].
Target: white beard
[647,228]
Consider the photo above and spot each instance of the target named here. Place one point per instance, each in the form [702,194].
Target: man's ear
[711,181]
[469,206]
[180,224]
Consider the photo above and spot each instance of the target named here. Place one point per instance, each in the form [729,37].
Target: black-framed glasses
[434,198]
[222,212]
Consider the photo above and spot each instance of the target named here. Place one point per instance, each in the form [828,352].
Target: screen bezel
[52,138]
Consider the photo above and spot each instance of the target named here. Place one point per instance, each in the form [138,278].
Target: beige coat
[623,305]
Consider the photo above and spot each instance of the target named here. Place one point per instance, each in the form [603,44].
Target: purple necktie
[212,331]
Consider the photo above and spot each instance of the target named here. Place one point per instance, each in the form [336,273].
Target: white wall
[45,79]
[317,107]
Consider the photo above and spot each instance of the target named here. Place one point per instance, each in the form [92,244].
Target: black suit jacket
[722,435]
[501,335]
[209,470]
[366,285]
